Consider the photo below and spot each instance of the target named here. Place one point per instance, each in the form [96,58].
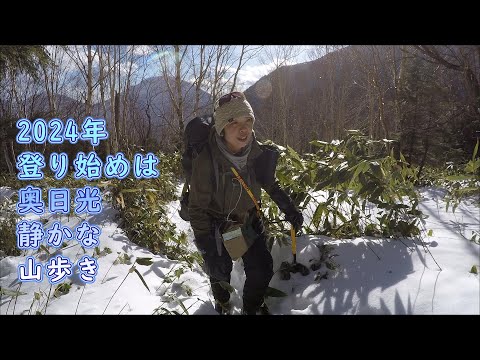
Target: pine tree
[27,58]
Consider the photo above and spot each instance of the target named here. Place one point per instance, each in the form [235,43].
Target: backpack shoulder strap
[215,165]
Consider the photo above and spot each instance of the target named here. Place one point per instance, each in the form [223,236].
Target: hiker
[224,217]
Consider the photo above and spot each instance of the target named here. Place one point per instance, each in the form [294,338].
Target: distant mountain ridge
[315,95]
[148,99]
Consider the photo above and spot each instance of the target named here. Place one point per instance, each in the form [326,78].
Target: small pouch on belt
[235,242]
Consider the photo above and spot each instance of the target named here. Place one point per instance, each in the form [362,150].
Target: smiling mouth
[242,138]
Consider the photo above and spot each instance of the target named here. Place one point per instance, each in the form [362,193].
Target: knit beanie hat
[235,107]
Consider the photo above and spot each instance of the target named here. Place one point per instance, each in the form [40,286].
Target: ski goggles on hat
[227,97]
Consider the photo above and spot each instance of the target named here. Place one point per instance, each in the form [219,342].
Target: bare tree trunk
[216,78]
[331,94]
[113,103]
[380,91]
[126,97]
[279,56]
[7,160]
[120,130]
[238,68]
[396,77]
[149,129]
[205,61]
[117,114]
[176,93]
[282,103]
[199,79]
[101,81]
[49,91]
[371,110]
[370,65]
[178,84]
[88,104]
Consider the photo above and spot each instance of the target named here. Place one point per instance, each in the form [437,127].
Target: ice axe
[286,268]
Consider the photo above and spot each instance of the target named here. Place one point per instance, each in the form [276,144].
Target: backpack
[195,138]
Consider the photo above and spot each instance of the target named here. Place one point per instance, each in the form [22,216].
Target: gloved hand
[253,227]
[295,218]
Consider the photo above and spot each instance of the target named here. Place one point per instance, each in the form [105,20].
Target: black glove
[253,227]
[295,218]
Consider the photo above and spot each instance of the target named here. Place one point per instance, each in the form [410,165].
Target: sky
[260,65]
[252,70]
[365,276]
[144,62]
[141,61]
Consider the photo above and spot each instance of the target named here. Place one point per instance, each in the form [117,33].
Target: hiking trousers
[258,266]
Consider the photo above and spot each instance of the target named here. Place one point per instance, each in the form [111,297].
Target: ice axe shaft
[286,268]
[294,244]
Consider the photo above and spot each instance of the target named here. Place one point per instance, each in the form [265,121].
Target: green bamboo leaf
[225,285]
[151,197]
[124,191]
[318,213]
[458,177]
[141,278]
[472,166]
[272,292]
[318,143]
[468,189]
[180,302]
[144,261]
[297,163]
[454,207]
[11,293]
[430,232]
[281,177]
[152,190]
[475,151]
[179,272]
[359,168]
[341,216]
[293,153]
[474,270]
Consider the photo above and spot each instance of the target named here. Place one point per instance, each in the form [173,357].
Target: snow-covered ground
[365,276]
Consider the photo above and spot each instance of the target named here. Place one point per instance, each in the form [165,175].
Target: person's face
[238,133]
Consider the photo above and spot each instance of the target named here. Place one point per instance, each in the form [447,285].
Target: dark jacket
[215,193]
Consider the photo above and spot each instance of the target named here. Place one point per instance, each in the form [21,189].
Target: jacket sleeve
[201,193]
[281,198]
[265,168]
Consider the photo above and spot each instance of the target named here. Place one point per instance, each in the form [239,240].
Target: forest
[363,133]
